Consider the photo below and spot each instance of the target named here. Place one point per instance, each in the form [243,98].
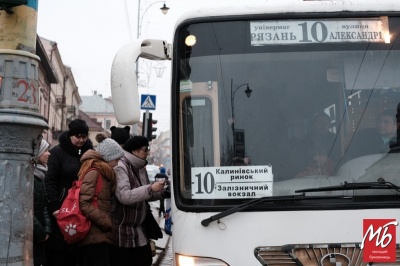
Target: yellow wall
[18,30]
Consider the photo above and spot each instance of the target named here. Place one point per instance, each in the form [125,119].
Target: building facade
[59,95]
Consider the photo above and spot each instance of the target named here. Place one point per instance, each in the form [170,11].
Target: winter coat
[101,230]
[41,219]
[130,205]
[63,168]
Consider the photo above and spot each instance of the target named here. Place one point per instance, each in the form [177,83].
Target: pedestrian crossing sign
[148,102]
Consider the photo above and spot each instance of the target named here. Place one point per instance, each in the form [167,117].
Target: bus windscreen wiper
[243,206]
[353,186]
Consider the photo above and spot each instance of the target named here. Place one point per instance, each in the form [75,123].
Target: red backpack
[73,224]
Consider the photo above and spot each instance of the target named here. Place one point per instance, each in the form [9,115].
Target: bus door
[198,100]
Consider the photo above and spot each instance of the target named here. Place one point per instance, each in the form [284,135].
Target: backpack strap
[99,184]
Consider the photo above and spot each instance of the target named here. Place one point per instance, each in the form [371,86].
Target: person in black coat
[63,167]
[41,219]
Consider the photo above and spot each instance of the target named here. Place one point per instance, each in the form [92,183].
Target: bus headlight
[182,260]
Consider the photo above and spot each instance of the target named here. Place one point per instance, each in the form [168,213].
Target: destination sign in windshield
[231,182]
[319,31]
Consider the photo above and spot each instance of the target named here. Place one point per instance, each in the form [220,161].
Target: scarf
[40,171]
[106,171]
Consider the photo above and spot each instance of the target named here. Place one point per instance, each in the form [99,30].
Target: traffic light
[148,128]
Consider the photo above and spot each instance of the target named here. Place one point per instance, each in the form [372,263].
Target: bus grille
[316,255]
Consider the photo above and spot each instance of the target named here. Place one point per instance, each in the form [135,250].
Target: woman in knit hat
[95,165]
[131,243]
[41,219]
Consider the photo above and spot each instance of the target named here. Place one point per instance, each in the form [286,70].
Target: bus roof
[293,6]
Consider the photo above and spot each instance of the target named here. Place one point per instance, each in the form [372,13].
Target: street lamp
[248,92]
[164,9]
[159,69]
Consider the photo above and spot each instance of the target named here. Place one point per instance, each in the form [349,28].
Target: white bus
[284,132]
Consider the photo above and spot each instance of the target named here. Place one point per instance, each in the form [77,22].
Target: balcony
[60,101]
[71,109]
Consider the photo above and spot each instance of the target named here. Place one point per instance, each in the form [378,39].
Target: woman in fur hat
[95,165]
[41,219]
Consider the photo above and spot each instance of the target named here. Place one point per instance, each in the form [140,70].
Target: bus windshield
[268,108]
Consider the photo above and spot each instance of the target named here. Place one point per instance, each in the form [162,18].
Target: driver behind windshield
[318,148]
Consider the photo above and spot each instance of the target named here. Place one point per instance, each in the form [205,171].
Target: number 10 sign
[231,182]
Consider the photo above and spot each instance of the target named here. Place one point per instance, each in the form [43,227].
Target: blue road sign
[148,102]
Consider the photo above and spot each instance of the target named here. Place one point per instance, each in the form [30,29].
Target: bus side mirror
[124,89]
[155,49]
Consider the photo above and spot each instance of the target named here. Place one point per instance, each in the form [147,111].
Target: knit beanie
[119,134]
[76,127]
[109,148]
[44,145]
[136,142]
[162,170]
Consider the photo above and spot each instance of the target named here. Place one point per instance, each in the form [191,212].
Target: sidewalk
[163,243]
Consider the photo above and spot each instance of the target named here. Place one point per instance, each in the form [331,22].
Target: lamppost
[164,10]
[248,92]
